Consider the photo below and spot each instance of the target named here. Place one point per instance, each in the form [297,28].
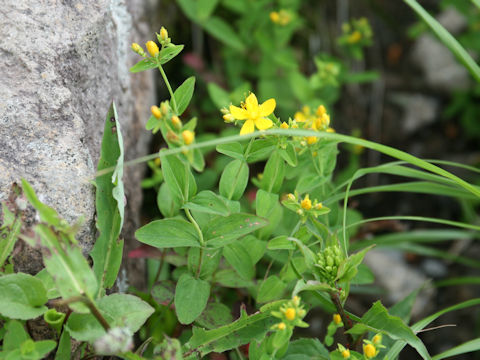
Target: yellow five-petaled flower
[254,114]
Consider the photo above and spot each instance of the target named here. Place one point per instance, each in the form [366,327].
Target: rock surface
[61,64]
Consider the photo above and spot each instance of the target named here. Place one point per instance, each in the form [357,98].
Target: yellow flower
[156,111]
[354,37]
[254,114]
[369,351]
[337,319]
[346,354]
[152,48]
[311,140]
[188,136]
[321,110]
[275,17]
[306,203]
[290,314]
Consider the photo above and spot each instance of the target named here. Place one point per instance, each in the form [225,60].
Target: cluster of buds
[291,314]
[358,31]
[152,47]
[227,116]
[327,74]
[344,351]
[304,206]
[175,132]
[318,120]
[371,348]
[281,17]
[328,262]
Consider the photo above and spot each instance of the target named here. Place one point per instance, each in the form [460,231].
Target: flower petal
[251,103]
[263,123]
[238,113]
[248,127]
[267,107]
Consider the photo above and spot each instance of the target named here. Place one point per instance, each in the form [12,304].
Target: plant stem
[200,239]
[347,323]
[91,306]
[165,79]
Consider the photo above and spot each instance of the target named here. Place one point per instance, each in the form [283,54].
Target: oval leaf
[191,296]
[168,233]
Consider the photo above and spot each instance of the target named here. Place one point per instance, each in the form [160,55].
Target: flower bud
[163,34]
[346,354]
[311,140]
[188,137]
[284,125]
[152,48]
[281,326]
[164,107]
[176,122]
[228,118]
[156,111]
[290,314]
[369,351]
[291,197]
[377,339]
[138,49]
[306,203]
[337,319]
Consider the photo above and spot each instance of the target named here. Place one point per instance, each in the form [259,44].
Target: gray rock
[452,20]
[440,68]
[418,110]
[61,64]
[398,278]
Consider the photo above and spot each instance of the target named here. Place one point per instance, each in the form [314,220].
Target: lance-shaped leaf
[110,203]
[62,256]
[167,233]
[377,319]
[183,94]
[67,266]
[240,332]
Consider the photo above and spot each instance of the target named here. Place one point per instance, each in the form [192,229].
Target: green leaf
[237,256]
[223,230]
[191,296]
[14,336]
[179,178]
[271,289]
[242,331]
[63,350]
[168,53]
[22,296]
[404,307]
[310,285]
[378,320]
[165,203]
[229,278]
[68,267]
[205,8]
[168,233]
[259,150]
[183,94]
[273,174]
[222,31]
[399,345]
[9,232]
[234,150]
[265,202]
[214,316]
[467,347]
[120,310]
[208,202]
[55,319]
[448,40]
[234,180]
[306,349]
[349,267]
[170,348]
[110,204]
[164,292]
[47,214]
[281,243]
[49,284]
[289,155]
[145,64]
[256,248]
[218,95]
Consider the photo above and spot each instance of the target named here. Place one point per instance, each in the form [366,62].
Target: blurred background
[383,76]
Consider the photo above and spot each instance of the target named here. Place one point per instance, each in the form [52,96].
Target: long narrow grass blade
[447,39]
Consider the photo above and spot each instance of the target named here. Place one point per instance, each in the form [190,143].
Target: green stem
[194,223]
[91,306]
[165,79]
[347,323]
